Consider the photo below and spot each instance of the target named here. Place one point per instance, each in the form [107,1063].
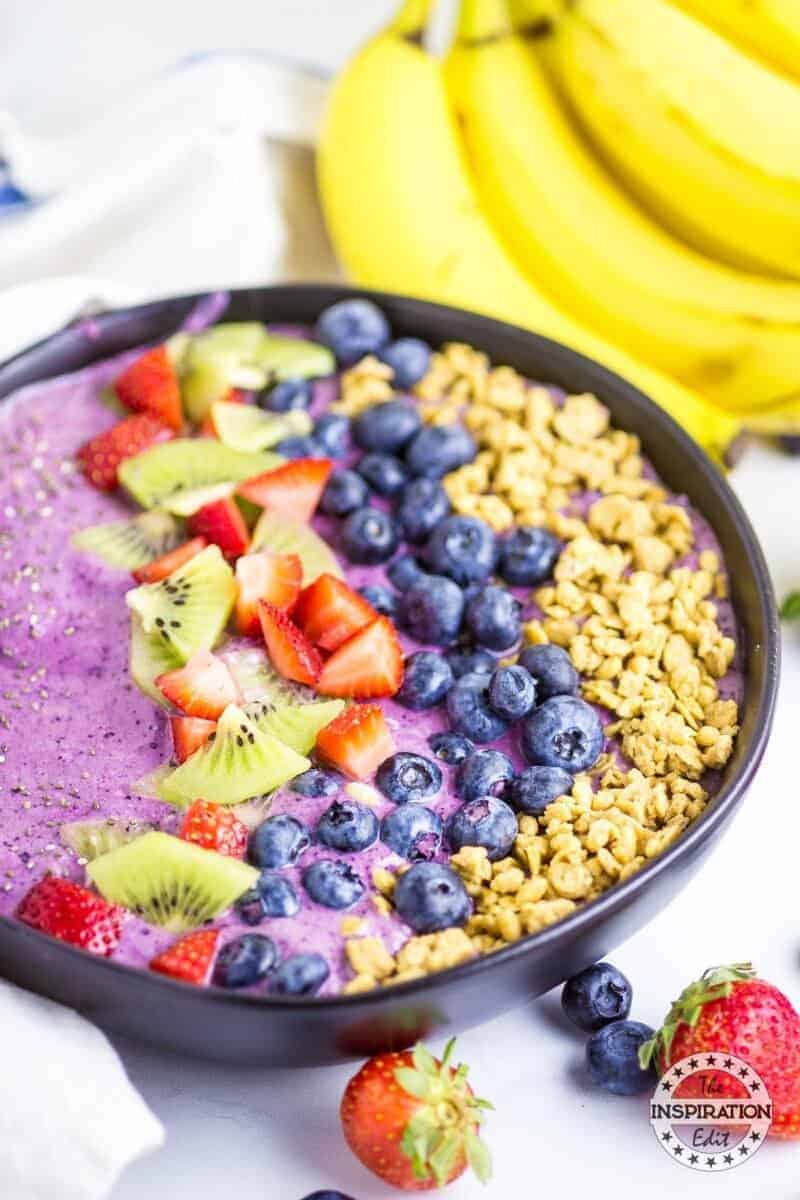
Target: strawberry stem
[716,983]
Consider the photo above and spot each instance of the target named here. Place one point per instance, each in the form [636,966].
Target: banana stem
[531,16]
[411,19]
[482,21]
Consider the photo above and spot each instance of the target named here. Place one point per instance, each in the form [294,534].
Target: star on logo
[743,1072]
[678,1072]
[755,1087]
[711,1162]
[665,1086]
[755,1137]
[711,1060]
[666,1137]
[728,1158]
[743,1151]
[693,1158]
[694,1063]
[677,1151]
[728,1064]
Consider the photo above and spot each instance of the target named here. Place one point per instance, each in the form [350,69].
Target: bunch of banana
[769,29]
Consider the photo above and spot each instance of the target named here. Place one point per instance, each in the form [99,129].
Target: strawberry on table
[290,652]
[163,566]
[190,958]
[100,457]
[357,741]
[150,384]
[73,914]
[293,489]
[204,687]
[215,827]
[189,734]
[414,1121]
[222,523]
[368,665]
[265,576]
[329,612]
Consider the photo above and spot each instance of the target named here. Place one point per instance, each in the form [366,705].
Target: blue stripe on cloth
[10,196]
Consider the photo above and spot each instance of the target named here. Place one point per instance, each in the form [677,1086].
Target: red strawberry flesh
[293,489]
[204,687]
[290,652]
[190,958]
[150,384]
[329,612]
[73,914]
[357,741]
[215,827]
[100,457]
[163,566]
[189,734]
[264,576]
[367,666]
[222,523]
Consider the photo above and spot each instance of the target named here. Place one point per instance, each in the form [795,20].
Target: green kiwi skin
[126,545]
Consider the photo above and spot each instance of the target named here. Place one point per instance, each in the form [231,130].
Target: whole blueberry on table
[484,773]
[431,610]
[488,822]
[369,536]
[315,782]
[299,447]
[463,548]
[353,328]
[412,831]
[552,671]
[494,618]
[300,975]
[451,748]
[471,660]
[406,778]
[333,883]
[469,712]
[381,599]
[327,1195]
[527,556]
[429,897]
[332,433]
[409,358]
[563,732]
[427,680]
[612,1058]
[344,492]
[596,997]
[422,504]
[347,826]
[272,896]
[383,472]
[403,572]
[279,841]
[438,449]
[387,427]
[534,788]
[512,692]
[244,961]
[285,396]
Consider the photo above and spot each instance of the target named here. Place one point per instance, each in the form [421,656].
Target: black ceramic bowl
[305,1032]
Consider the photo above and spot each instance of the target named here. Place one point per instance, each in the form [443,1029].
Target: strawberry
[208,428]
[189,734]
[222,523]
[150,384]
[160,568]
[357,741]
[290,652]
[329,612]
[293,489]
[368,665]
[204,687]
[190,958]
[730,1011]
[214,827]
[100,457]
[413,1120]
[73,914]
[264,576]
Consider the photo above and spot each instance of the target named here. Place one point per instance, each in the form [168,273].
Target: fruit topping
[471,660]
[285,396]
[265,576]
[512,692]
[131,543]
[214,828]
[333,883]
[279,842]
[159,568]
[488,822]
[430,896]
[353,328]
[189,734]
[296,725]
[369,536]
[428,679]
[406,778]
[412,831]
[536,787]
[190,959]
[101,458]
[347,826]
[301,975]
[357,742]
[404,572]
[244,961]
[438,449]
[494,618]
[451,748]
[384,473]
[329,612]
[179,467]
[484,773]
[528,555]
[315,783]
[203,688]
[248,429]
[563,732]
[409,358]
[431,610]
[282,535]
[332,435]
[462,548]
[90,839]
[469,711]
[293,489]
[368,665]
[222,524]
[423,504]
[551,670]
[289,649]
[188,610]
[344,492]
[381,598]
[273,896]
[150,385]
[73,914]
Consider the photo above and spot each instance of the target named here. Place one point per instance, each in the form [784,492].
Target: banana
[403,215]
[735,338]
[707,138]
[768,29]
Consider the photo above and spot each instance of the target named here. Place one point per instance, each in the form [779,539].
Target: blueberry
[333,883]
[431,610]
[463,548]
[279,841]
[612,1058]
[299,447]
[469,712]
[315,782]
[369,536]
[272,896]
[422,505]
[286,395]
[563,732]
[301,975]
[451,748]
[383,472]
[409,358]
[347,826]
[381,599]
[408,778]
[326,1194]
[438,449]
[387,427]
[471,661]
[244,961]
[412,831]
[494,618]
[403,572]
[344,492]
[332,433]
[596,997]
[488,822]
[429,897]
[484,773]
[552,671]
[353,328]
[512,693]
[527,556]
[428,679]
[536,787]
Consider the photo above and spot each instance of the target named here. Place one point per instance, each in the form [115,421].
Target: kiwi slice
[187,502]
[150,656]
[90,839]
[169,882]
[187,464]
[189,609]
[293,358]
[245,427]
[257,679]
[296,725]
[242,339]
[132,543]
[236,763]
[282,535]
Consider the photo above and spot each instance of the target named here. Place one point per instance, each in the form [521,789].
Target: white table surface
[275,1134]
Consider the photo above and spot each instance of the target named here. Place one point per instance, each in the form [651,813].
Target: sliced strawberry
[73,914]
[100,457]
[368,665]
[357,741]
[208,428]
[222,523]
[190,958]
[215,827]
[150,384]
[161,567]
[189,734]
[290,652]
[293,489]
[203,688]
[329,612]
[264,576]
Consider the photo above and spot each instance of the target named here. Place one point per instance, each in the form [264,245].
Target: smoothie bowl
[445,659]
